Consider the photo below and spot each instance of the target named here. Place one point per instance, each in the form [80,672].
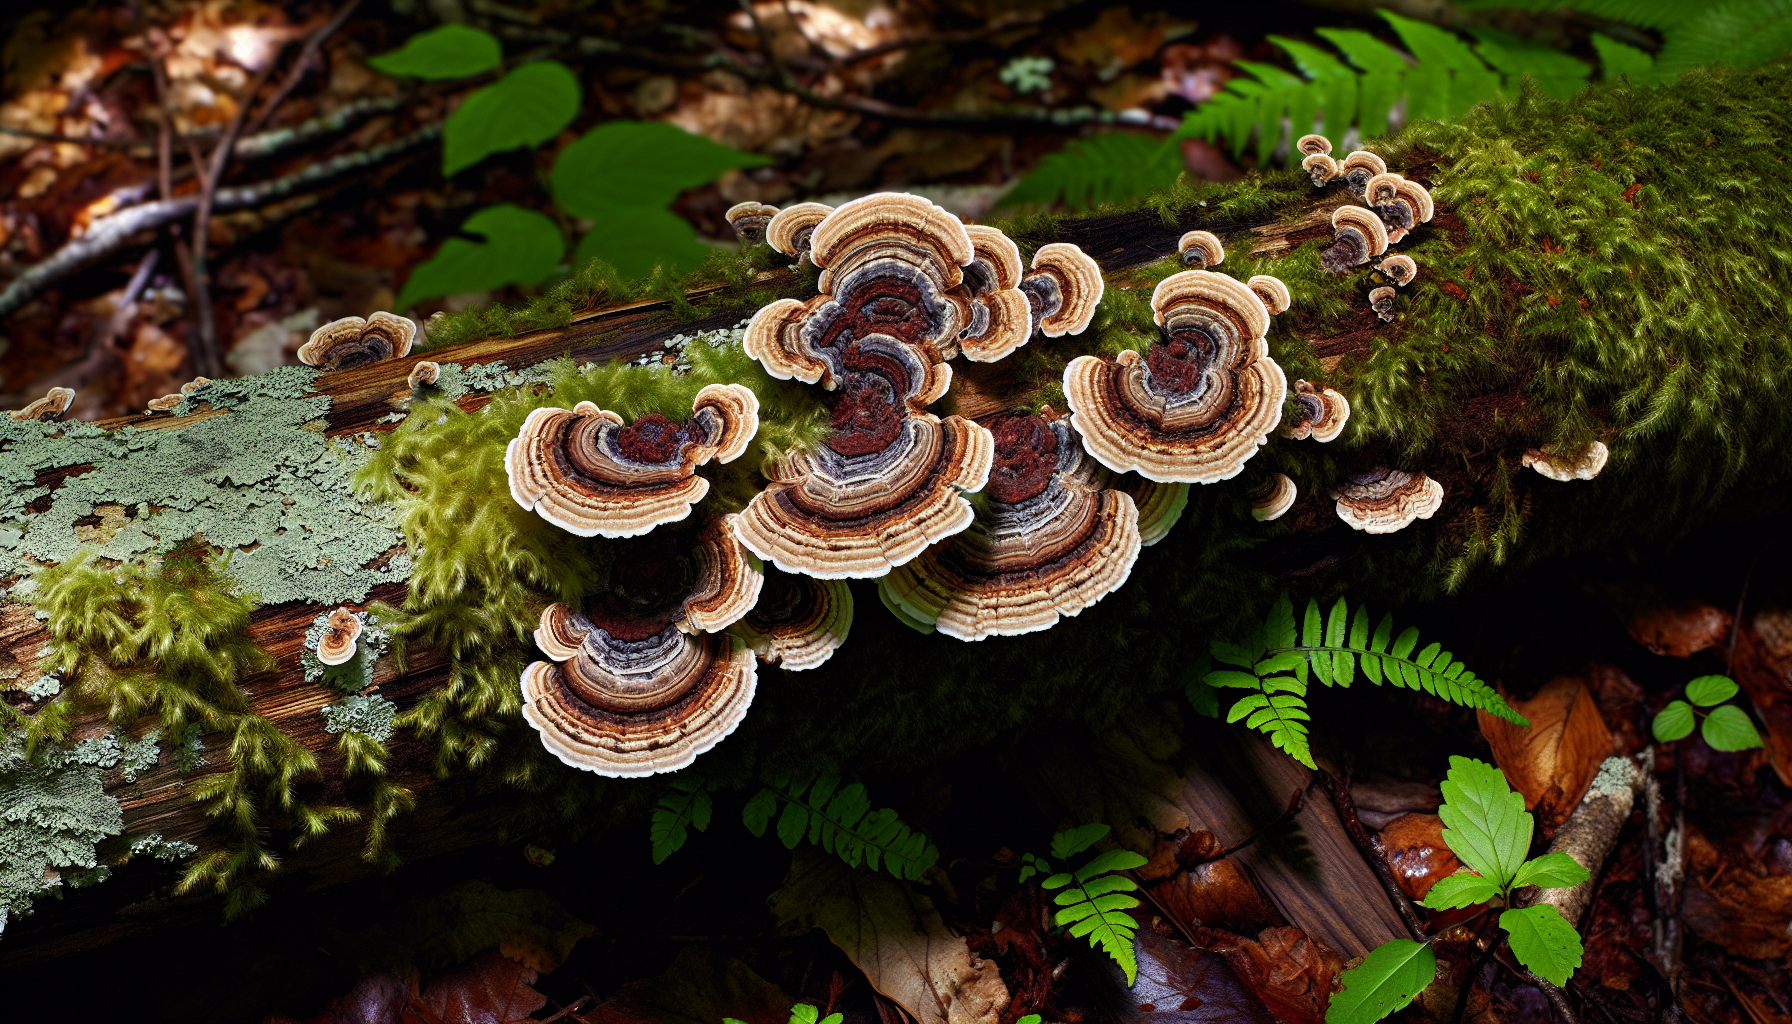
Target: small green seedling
[1726,726]
[1094,899]
[1488,829]
[803,1013]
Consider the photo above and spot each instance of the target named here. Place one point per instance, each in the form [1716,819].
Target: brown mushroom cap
[1360,166]
[1360,237]
[750,220]
[996,257]
[1400,269]
[1064,288]
[1417,197]
[885,223]
[1382,301]
[167,403]
[351,341]
[1272,291]
[1160,506]
[1384,500]
[791,227]
[1584,466]
[1200,402]
[999,315]
[1322,169]
[424,374]
[1365,221]
[1201,249]
[1323,413]
[586,472]
[1311,144]
[1273,497]
[1052,539]
[1382,188]
[799,621]
[337,645]
[50,407]
[774,337]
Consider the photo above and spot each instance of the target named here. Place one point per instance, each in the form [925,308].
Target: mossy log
[1597,270]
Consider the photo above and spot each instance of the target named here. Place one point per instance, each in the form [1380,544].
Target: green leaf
[758,812]
[1278,626]
[1559,75]
[1227,679]
[1101,169]
[526,107]
[521,247]
[1728,728]
[687,806]
[1070,843]
[1459,890]
[1031,1018]
[1110,860]
[803,1013]
[1103,920]
[1312,633]
[1551,871]
[452,51]
[1336,623]
[1204,697]
[1364,50]
[1543,941]
[1673,722]
[1617,59]
[1387,979]
[1733,33]
[1708,690]
[638,163]
[635,239]
[1485,823]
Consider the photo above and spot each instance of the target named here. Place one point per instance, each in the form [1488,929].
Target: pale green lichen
[369,714]
[152,844]
[54,811]
[137,757]
[258,480]
[47,685]
[354,674]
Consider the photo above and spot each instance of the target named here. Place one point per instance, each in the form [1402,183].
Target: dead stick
[297,72]
[1339,788]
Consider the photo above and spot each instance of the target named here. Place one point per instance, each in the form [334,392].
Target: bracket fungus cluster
[749,221]
[1322,413]
[1583,466]
[351,341]
[168,403]
[52,406]
[1401,204]
[337,645]
[1383,500]
[1361,235]
[1199,402]
[799,621]
[587,472]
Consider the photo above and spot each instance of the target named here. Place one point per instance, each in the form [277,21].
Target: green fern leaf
[1101,169]
[1616,59]
[1738,33]
[841,822]
[688,806]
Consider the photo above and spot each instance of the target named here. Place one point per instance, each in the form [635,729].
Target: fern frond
[688,806]
[1100,169]
[1095,906]
[841,822]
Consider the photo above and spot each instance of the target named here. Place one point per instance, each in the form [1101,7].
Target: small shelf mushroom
[1359,236]
[1160,505]
[790,229]
[1201,250]
[1272,498]
[750,220]
[1383,500]
[1318,162]
[337,645]
[168,403]
[997,315]
[351,341]
[1275,295]
[1321,416]
[1381,300]
[1359,167]
[423,374]
[50,407]
[799,621]
[640,680]
[1064,289]
[1584,466]
[1401,204]
[589,474]
[1399,268]
[1199,402]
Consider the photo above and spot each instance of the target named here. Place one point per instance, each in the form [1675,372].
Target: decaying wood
[1589,834]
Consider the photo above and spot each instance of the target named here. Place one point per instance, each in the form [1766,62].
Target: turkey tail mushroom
[1382,193]
[1381,300]
[1399,268]
[1272,498]
[1064,289]
[52,406]
[423,374]
[750,220]
[1272,291]
[1322,413]
[1318,162]
[337,644]
[1201,250]
[1359,167]
[1384,500]
[1001,318]
[1359,236]
[351,341]
[1584,466]
[168,403]
[790,229]
[799,621]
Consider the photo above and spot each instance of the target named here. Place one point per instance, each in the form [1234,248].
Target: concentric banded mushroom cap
[997,259]
[1360,237]
[750,220]
[168,403]
[1584,466]
[799,621]
[1064,289]
[1000,318]
[1381,300]
[791,227]
[885,218]
[867,500]
[1399,268]
[589,474]
[50,407]
[1382,188]
[1311,144]
[337,645]
[1053,539]
[1273,497]
[727,584]
[424,374]
[351,341]
[1416,196]
[1160,505]
[1201,249]
[1200,402]
[1360,166]
[1272,291]
[1384,500]
[1322,169]
[1323,413]
[774,337]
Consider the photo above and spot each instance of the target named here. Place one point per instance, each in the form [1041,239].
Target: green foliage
[1738,33]
[526,107]
[840,821]
[521,247]
[1097,170]
[1276,661]
[804,1013]
[1094,900]
[1724,728]
[622,175]
[1388,978]
[688,806]
[451,51]
[1488,829]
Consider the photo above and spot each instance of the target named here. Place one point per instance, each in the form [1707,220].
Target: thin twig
[297,73]
[1468,984]
[1339,788]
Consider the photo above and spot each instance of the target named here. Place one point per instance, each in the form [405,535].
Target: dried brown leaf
[1680,630]
[1291,973]
[1554,760]
[701,987]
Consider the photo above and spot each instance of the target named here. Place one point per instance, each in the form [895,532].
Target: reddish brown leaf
[1414,846]
[1292,974]
[488,989]
[1219,894]
[1198,983]
[1554,760]
[1620,704]
[1747,914]
[1680,630]
[701,987]
[1763,668]
[377,999]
